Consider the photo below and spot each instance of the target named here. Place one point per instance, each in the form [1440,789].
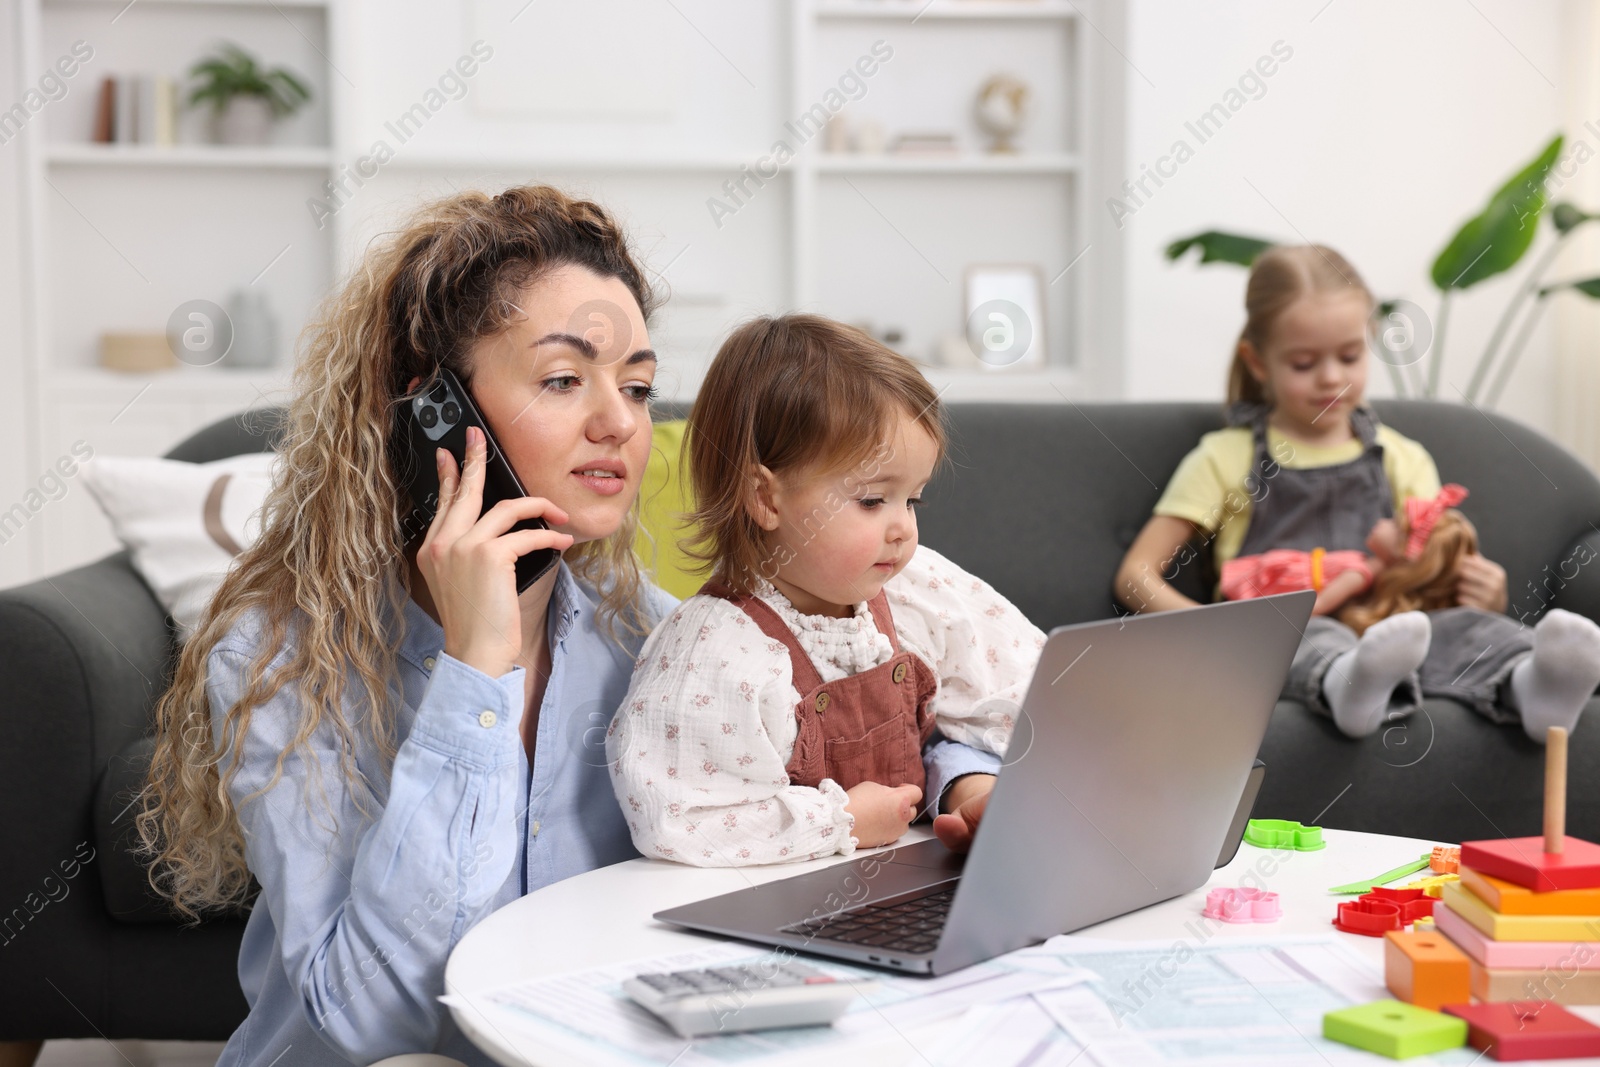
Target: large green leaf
[1218,247]
[1588,287]
[1496,238]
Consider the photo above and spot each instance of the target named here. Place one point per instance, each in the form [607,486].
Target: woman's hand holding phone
[470,562]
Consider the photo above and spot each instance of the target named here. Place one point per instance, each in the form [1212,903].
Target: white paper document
[1155,1003]
[586,1014]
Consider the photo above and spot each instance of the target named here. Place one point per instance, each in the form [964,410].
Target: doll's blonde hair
[1426,583]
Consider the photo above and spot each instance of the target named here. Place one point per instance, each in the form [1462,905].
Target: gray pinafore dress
[1472,652]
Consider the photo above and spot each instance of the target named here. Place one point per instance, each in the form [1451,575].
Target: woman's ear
[762,500]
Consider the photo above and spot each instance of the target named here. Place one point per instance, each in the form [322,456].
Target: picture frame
[1003,309]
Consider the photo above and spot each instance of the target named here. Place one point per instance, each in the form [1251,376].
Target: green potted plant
[244,98]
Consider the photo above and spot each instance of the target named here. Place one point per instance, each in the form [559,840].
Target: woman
[381,731]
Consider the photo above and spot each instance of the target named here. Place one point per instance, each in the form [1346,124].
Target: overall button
[822,703]
[487,719]
[899,673]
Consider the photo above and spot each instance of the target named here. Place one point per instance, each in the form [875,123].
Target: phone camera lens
[450,413]
[438,393]
[428,417]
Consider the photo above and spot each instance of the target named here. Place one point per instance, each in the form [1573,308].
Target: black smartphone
[437,417]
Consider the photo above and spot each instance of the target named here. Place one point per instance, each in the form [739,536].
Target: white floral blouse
[699,747]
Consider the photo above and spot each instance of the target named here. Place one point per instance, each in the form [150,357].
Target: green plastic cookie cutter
[1282,833]
[1393,1029]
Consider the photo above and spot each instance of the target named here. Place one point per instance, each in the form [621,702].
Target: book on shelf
[105,113]
[125,126]
[158,111]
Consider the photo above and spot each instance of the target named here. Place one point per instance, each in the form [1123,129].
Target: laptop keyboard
[908,926]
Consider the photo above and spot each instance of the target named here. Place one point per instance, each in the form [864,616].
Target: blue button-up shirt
[368,883]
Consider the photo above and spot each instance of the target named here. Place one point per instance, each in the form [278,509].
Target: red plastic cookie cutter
[1242,905]
[1368,915]
[1414,904]
[1382,910]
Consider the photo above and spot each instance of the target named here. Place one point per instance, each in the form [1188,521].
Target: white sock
[1553,685]
[1359,682]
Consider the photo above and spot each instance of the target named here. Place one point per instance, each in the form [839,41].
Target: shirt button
[428,663]
[534,829]
[487,719]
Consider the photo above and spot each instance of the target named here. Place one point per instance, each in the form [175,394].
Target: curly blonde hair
[331,558]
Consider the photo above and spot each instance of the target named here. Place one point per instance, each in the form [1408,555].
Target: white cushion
[183,522]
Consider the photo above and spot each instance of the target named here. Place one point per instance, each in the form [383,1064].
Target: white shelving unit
[1042,192]
[917,10]
[1033,163]
[119,235]
[138,155]
[1032,206]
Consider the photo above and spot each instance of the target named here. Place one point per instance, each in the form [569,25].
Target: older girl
[1306,465]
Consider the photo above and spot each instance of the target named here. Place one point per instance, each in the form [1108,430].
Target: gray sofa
[1041,500]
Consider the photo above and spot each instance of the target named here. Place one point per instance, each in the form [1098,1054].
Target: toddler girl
[1306,465]
[783,712]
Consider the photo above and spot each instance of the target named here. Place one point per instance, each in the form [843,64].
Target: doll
[1402,569]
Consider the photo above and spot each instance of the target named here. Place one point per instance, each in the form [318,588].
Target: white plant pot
[247,120]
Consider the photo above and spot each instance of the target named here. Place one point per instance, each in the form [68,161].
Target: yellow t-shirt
[1209,490]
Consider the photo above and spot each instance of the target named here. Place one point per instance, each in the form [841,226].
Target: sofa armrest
[1571,583]
[83,655]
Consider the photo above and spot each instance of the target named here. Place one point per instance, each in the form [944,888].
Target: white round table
[603,917]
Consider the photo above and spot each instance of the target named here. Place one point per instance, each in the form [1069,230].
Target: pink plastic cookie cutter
[1242,906]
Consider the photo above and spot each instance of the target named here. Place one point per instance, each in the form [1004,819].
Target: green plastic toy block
[1391,1028]
[1281,833]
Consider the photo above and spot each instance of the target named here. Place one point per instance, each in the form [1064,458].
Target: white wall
[17,468]
[1390,125]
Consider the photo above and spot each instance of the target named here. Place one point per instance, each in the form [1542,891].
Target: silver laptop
[1130,768]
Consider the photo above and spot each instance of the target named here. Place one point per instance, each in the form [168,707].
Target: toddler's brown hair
[802,395]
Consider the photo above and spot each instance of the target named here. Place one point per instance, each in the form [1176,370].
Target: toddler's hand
[882,813]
